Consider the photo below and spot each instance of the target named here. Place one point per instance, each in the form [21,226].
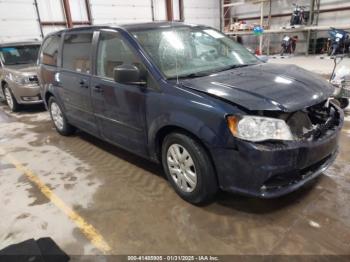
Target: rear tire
[59,119]
[10,99]
[189,168]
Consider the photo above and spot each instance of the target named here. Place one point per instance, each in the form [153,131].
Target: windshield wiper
[192,75]
[235,66]
[206,73]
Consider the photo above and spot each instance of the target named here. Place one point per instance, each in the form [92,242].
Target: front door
[74,80]
[119,108]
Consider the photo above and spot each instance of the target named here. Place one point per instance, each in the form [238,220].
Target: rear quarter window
[49,53]
[76,52]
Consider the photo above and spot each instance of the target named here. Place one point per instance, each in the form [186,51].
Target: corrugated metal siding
[202,12]
[18,20]
[121,11]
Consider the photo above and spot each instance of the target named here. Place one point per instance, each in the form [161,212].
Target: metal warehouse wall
[19,19]
[121,11]
[285,7]
[206,12]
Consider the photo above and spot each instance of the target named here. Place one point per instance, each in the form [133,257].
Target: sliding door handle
[83,83]
[98,89]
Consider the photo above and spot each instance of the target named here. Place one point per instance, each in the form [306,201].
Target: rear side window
[76,52]
[49,51]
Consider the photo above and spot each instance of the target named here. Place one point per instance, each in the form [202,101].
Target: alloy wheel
[57,115]
[182,168]
[8,97]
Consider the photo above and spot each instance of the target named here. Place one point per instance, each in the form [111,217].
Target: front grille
[313,122]
[33,79]
[319,130]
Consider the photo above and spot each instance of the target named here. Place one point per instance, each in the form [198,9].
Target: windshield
[13,55]
[192,51]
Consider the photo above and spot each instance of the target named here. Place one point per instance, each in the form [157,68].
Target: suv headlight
[257,128]
[22,80]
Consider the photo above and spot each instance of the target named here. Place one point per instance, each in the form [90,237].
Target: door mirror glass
[128,74]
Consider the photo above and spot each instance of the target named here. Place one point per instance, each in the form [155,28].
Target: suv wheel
[188,168]
[61,124]
[10,99]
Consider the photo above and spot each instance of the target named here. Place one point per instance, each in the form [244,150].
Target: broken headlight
[257,128]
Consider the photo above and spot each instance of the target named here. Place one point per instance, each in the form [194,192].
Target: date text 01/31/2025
[173,258]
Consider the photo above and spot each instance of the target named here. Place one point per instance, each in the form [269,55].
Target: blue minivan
[192,99]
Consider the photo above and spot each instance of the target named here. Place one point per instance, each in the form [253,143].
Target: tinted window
[113,51]
[76,52]
[49,51]
[15,55]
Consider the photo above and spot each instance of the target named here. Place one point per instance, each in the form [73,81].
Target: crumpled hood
[265,87]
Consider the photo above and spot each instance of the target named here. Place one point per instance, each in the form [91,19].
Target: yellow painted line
[87,229]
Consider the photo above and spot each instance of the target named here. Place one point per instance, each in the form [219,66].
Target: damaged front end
[313,122]
[315,132]
[276,167]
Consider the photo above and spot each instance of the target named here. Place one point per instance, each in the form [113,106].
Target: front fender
[181,120]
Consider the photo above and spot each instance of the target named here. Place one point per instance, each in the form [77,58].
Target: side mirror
[128,74]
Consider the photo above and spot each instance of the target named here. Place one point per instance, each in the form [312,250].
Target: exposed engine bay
[313,122]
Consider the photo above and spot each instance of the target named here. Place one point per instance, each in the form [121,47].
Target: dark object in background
[288,44]
[339,41]
[41,250]
[321,46]
[294,43]
[299,15]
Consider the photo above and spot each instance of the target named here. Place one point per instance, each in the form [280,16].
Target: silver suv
[18,77]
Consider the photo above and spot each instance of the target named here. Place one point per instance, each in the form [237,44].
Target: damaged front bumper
[272,169]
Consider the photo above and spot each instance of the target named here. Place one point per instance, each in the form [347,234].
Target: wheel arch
[3,83]
[48,94]
[168,129]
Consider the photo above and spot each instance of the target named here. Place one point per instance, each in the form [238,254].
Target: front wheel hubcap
[9,99]
[57,116]
[182,168]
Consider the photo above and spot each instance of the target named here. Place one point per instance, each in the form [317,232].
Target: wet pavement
[128,200]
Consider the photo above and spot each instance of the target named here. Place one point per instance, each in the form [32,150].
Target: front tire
[10,99]
[58,118]
[188,168]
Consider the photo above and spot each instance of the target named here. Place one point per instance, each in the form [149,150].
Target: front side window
[76,52]
[113,51]
[15,55]
[192,51]
[49,51]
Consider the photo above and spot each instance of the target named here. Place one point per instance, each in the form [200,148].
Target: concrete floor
[129,202]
